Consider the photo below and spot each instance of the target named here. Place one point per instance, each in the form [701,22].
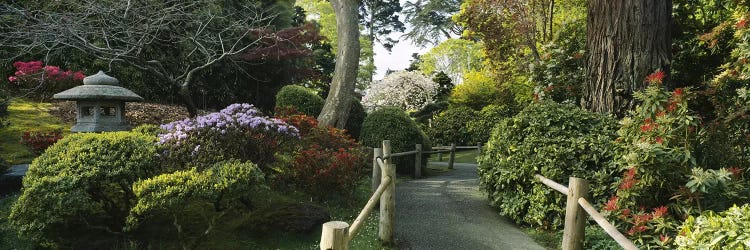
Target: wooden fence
[336,235]
[576,209]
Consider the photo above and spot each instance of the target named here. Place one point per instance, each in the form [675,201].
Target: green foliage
[556,141]
[356,118]
[450,126]
[481,126]
[148,129]
[453,57]
[25,115]
[559,75]
[301,98]
[479,90]
[445,86]
[82,184]
[423,115]
[393,124]
[726,230]
[187,194]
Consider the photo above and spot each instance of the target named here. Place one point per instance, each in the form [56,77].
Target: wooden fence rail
[575,214]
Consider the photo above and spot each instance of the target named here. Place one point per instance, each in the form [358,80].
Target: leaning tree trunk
[336,109]
[626,41]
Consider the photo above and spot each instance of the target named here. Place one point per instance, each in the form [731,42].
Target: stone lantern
[100,104]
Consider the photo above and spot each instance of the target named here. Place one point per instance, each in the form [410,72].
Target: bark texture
[336,109]
[626,41]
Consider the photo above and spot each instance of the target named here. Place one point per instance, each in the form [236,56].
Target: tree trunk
[187,98]
[336,109]
[626,41]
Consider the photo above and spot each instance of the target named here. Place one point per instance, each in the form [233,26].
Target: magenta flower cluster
[238,116]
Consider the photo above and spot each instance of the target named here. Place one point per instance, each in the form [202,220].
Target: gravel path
[449,212]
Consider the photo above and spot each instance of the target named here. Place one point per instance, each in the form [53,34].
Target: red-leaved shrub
[40,141]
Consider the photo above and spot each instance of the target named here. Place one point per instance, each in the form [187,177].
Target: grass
[462,156]
[25,115]
[234,235]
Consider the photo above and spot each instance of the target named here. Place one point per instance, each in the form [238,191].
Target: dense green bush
[556,141]
[185,195]
[301,98]
[429,111]
[148,129]
[480,127]
[450,126]
[356,118]
[83,184]
[727,230]
[393,124]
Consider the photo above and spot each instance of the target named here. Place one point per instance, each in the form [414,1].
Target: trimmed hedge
[391,123]
[450,126]
[82,182]
[556,141]
[481,127]
[303,99]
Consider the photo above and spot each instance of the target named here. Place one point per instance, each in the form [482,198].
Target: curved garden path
[449,212]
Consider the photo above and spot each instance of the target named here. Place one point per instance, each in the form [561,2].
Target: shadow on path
[449,212]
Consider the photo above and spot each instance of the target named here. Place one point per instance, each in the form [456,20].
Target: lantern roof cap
[99,87]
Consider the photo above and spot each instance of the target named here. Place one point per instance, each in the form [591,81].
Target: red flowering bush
[329,162]
[40,141]
[43,80]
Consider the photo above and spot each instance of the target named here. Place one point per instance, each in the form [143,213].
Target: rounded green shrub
[727,230]
[450,126]
[301,98]
[356,118]
[556,141]
[82,183]
[394,124]
[481,126]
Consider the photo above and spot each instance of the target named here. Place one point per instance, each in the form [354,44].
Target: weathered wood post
[377,152]
[334,236]
[452,157]
[479,148]
[418,162]
[440,154]
[388,198]
[575,216]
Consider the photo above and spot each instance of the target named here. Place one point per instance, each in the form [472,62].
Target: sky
[398,58]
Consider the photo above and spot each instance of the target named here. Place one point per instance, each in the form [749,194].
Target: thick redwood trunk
[336,109]
[626,41]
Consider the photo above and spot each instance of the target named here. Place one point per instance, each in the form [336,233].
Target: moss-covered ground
[25,115]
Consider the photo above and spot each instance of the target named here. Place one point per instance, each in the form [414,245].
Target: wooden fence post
[479,148]
[452,157]
[388,198]
[418,162]
[575,216]
[335,236]
[440,154]
[377,152]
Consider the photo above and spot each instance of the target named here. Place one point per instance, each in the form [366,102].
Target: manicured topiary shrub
[394,124]
[148,129]
[82,185]
[301,98]
[450,126]
[726,230]
[356,118]
[556,141]
[480,127]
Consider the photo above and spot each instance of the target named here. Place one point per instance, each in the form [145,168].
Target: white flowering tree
[404,89]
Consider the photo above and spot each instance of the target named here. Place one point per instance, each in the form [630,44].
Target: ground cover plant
[26,116]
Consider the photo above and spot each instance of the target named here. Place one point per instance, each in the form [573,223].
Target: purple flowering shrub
[238,131]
